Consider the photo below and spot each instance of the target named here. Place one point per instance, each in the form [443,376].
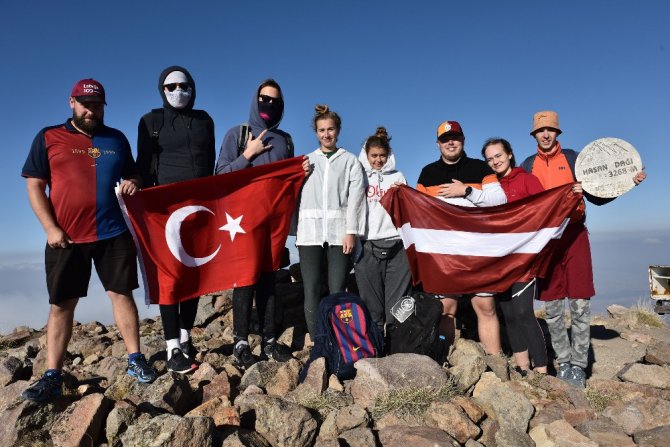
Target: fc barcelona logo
[345,316]
[93,152]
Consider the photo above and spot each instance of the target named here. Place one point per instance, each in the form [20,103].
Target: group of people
[339,219]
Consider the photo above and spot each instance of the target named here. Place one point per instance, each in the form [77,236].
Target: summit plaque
[606,167]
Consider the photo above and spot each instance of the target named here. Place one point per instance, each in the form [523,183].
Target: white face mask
[179,98]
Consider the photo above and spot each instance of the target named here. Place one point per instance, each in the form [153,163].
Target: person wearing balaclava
[176,143]
[265,144]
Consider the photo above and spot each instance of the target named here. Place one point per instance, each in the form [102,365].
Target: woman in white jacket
[331,213]
[382,272]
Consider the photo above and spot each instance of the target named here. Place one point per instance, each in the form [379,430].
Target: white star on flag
[233,226]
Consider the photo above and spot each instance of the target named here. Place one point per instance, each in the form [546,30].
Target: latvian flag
[457,250]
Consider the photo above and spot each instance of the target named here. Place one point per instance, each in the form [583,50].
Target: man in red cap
[458,179]
[570,274]
[81,161]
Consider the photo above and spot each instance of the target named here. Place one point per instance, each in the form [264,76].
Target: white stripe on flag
[448,242]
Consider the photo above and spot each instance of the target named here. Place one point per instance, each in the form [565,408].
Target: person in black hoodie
[265,144]
[176,143]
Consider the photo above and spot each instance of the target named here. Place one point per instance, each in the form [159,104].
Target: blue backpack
[345,333]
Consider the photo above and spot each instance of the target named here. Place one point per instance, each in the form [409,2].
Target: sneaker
[179,362]
[243,356]
[45,388]
[564,372]
[189,351]
[578,376]
[275,351]
[141,370]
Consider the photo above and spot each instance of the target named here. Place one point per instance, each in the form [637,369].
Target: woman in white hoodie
[331,213]
[382,272]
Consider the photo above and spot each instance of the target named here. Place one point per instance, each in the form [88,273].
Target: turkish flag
[456,250]
[213,233]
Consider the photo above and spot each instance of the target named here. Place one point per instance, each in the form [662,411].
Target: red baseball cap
[449,127]
[88,90]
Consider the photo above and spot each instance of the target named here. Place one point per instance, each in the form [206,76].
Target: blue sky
[602,65]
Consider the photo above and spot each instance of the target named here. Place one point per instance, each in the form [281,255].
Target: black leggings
[178,316]
[243,298]
[522,327]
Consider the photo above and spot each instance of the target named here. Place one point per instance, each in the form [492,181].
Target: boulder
[652,375]
[358,437]
[563,435]
[509,437]
[658,353]
[170,392]
[605,432]
[451,418]
[217,387]
[10,370]
[219,409]
[655,437]
[403,436]
[468,361]
[206,310]
[641,413]
[81,422]
[510,408]
[28,423]
[285,379]
[169,430]
[317,376]
[242,437]
[122,416]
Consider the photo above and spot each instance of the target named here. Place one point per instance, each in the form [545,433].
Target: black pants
[178,316]
[522,327]
[243,298]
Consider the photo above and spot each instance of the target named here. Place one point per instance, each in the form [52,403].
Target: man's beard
[88,125]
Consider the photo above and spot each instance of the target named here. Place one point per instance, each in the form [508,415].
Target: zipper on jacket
[324,197]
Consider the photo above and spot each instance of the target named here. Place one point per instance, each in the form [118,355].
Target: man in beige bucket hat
[570,274]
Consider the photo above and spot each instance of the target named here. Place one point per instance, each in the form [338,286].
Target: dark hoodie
[185,146]
[230,161]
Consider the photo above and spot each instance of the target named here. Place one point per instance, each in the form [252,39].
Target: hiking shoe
[45,388]
[243,356]
[564,372]
[179,362]
[141,370]
[189,351]
[578,376]
[275,351]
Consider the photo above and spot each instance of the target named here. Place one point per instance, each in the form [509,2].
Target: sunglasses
[268,99]
[182,85]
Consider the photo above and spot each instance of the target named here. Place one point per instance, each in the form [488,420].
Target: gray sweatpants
[580,315]
[382,282]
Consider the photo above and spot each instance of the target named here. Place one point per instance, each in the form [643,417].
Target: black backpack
[419,333]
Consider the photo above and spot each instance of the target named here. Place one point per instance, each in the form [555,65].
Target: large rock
[122,416]
[351,417]
[110,368]
[217,387]
[452,419]
[81,422]
[168,430]
[605,432]
[656,437]
[471,408]
[206,310]
[219,409]
[358,437]
[260,374]
[242,437]
[10,395]
[170,392]
[28,423]
[317,376]
[563,435]
[626,391]
[641,413]
[509,437]
[652,375]
[403,436]
[285,379]
[468,362]
[379,375]
[658,353]
[282,424]
[540,436]
[10,370]
[510,408]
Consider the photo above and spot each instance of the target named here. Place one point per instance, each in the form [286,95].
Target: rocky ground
[400,400]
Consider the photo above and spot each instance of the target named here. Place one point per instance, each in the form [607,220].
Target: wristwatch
[468,190]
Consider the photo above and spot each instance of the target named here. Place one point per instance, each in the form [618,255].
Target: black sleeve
[211,146]
[146,151]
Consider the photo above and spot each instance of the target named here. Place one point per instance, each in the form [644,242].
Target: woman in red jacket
[525,335]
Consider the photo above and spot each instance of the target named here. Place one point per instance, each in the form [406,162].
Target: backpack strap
[289,144]
[242,138]
[157,118]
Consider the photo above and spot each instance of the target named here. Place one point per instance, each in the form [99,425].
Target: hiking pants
[523,330]
[178,316]
[310,268]
[243,298]
[382,282]
[580,314]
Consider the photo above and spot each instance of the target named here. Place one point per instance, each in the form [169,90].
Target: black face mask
[271,112]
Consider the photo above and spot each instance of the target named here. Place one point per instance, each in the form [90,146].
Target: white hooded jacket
[379,224]
[332,201]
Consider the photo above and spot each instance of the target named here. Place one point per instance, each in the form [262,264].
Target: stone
[28,423]
[285,379]
[658,353]
[218,386]
[403,436]
[317,375]
[328,429]
[578,416]
[219,409]
[379,375]
[118,420]
[626,391]
[563,435]
[604,432]
[259,374]
[10,369]
[242,437]
[169,430]
[489,429]
[468,362]
[652,375]
[81,422]
[451,418]
[10,394]
[16,338]
[471,408]
[170,392]
[206,310]
[509,437]
[358,437]
[606,165]
[498,364]
[617,311]
[281,423]
[351,417]
[641,413]
[540,436]
[510,408]
[334,383]
[655,437]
